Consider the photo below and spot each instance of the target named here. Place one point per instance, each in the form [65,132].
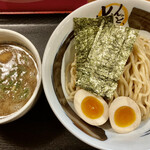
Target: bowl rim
[23,110]
[49,91]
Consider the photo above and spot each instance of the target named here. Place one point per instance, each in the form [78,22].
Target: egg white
[79,97]
[119,102]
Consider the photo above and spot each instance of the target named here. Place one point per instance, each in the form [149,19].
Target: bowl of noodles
[96,74]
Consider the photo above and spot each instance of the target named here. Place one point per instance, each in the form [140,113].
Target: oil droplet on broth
[92,107]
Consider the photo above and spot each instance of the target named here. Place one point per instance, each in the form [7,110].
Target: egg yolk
[92,107]
[124,116]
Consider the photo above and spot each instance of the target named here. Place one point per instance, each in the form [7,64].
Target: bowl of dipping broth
[96,74]
[20,75]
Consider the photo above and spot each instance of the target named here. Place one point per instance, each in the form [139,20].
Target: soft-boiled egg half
[124,115]
[92,109]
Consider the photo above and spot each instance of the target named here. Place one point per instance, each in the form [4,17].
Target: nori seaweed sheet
[101,55]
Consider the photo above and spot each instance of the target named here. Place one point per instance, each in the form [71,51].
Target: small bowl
[9,36]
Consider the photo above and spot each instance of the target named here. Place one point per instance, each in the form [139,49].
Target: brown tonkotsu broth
[18,77]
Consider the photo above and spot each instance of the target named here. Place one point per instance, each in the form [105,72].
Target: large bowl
[57,55]
[13,37]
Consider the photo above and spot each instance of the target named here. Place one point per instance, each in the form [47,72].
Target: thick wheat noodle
[138,78]
[135,80]
[71,88]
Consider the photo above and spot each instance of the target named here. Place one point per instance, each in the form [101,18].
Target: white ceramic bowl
[13,36]
[136,140]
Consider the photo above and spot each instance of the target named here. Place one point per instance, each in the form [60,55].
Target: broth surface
[18,77]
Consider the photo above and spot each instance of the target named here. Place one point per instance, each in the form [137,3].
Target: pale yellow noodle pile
[70,84]
[135,80]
